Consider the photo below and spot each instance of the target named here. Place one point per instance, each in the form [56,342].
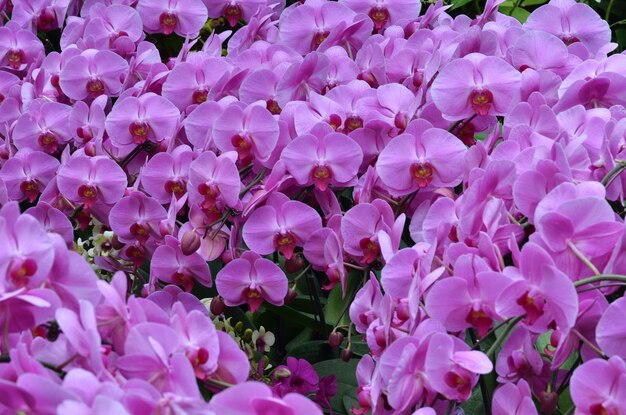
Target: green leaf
[620,36]
[533,2]
[313,351]
[359,348]
[337,303]
[295,316]
[345,373]
[459,3]
[474,405]
[350,401]
[521,14]
[565,401]
[303,337]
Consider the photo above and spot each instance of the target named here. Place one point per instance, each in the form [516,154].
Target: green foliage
[345,373]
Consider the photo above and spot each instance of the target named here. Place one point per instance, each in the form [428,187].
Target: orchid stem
[60,367]
[481,380]
[600,278]
[218,383]
[607,16]
[612,175]
[509,328]
[583,258]
[349,265]
[489,333]
[599,287]
[304,271]
[588,343]
[254,181]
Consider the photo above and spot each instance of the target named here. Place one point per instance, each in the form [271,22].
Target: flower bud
[291,295]
[190,242]
[281,372]
[335,339]
[548,402]
[346,355]
[294,264]
[239,327]
[247,335]
[226,257]
[217,306]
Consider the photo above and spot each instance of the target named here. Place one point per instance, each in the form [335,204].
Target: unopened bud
[247,335]
[281,372]
[190,242]
[226,257]
[548,402]
[239,326]
[335,339]
[217,306]
[294,264]
[346,355]
[291,295]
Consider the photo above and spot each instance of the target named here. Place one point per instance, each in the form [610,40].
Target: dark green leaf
[474,405]
[337,303]
[345,373]
[459,3]
[293,315]
[313,351]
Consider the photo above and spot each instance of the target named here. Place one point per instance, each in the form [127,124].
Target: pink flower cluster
[469,170]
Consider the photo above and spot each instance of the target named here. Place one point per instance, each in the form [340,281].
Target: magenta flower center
[95,87]
[30,190]
[321,175]
[200,96]
[182,279]
[285,243]
[209,191]
[139,131]
[481,102]
[370,249]
[380,16]
[243,146]
[273,107]
[422,173]
[253,298]
[168,22]
[353,122]
[459,382]
[177,187]
[140,232]
[21,270]
[48,141]
[480,320]
[599,409]
[233,14]
[569,39]
[319,37]
[533,306]
[88,194]
[15,58]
